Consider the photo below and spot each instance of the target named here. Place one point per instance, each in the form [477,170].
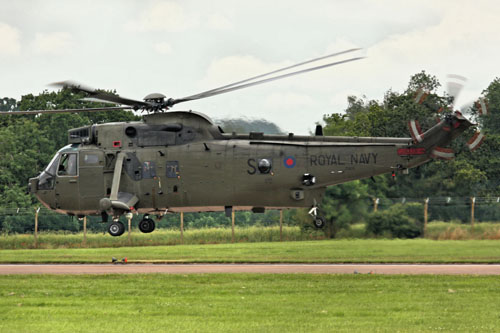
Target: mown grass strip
[242,303]
[327,251]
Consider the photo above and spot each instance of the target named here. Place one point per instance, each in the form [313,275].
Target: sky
[180,48]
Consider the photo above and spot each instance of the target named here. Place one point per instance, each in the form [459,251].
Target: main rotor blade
[233,88]
[100,95]
[65,110]
[281,70]
[96,100]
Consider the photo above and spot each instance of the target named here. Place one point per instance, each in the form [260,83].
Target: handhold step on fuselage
[123,202]
[120,201]
[126,201]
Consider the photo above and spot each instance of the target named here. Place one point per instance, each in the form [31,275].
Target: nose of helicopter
[45,196]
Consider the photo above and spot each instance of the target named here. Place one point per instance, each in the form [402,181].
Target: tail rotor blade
[482,106]
[475,141]
[415,131]
[443,153]
[420,95]
[455,85]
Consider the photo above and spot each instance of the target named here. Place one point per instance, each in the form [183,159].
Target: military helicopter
[179,161]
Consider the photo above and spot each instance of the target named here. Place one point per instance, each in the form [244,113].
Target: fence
[464,209]
[28,218]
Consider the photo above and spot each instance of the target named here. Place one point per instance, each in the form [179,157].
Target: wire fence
[447,209]
[442,201]
[33,220]
[455,209]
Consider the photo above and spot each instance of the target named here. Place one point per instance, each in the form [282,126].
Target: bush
[395,222]
[17,224]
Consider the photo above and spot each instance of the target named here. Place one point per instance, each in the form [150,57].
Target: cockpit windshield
[46,180]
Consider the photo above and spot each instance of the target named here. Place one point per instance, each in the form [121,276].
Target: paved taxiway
[471,269]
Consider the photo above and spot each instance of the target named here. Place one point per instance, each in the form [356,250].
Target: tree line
[28,142]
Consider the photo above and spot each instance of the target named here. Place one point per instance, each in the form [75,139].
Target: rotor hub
[156,97]
[156,101]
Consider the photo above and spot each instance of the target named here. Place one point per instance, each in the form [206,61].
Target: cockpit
[64,163]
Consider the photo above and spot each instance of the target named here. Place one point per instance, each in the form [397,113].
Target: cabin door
[92,187]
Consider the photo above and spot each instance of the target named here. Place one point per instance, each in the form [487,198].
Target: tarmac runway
[74,269]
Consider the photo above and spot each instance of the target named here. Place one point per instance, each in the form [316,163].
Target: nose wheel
[116,229]
[146,225]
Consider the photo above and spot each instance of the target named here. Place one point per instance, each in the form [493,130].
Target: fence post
[426,215]
[281,225]
[84,230]
[232,226]
[129,217]
[472,202]
[182,227]
[36,226]
[375,204]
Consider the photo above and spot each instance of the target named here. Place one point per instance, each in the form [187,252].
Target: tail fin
[439,135]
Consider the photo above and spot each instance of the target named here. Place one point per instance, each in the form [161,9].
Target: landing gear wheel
[147,225]
[319,222]
[116,229]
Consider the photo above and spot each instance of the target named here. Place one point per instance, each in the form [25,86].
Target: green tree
[470,174]
[344,205]
[28,142]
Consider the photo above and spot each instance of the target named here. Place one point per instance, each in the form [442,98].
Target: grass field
[235,303]
[326,251]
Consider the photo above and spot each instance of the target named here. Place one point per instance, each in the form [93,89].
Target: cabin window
[173,169]
[91,159]
[67,165]
[133,167]
[148,169]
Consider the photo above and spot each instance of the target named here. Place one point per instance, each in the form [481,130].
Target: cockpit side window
[67,165]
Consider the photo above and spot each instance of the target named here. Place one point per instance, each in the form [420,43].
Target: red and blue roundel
[289,162]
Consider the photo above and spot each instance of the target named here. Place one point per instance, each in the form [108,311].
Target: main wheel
[147,225]
[319,222]
[116,229]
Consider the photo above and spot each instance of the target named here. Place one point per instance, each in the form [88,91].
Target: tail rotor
[452,117]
